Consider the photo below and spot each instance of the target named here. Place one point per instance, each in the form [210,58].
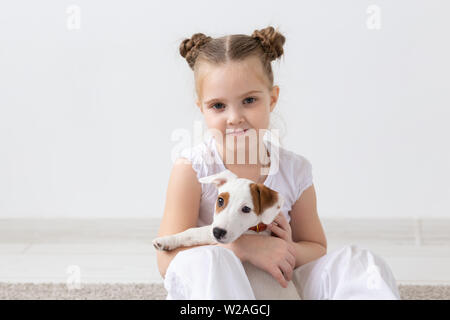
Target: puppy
[242,207]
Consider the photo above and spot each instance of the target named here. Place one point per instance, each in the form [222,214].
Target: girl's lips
[238,133]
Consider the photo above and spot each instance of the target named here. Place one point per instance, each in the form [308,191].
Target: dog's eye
[220,201]
[246,209]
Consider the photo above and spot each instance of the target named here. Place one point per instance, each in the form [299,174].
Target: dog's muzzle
[219,233]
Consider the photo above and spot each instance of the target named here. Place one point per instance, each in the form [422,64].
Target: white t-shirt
[294,175]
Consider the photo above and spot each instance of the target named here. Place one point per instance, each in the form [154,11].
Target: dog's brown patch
[262,197]
[225,196]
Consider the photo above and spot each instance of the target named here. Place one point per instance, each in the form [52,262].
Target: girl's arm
[181,208]
[306,229]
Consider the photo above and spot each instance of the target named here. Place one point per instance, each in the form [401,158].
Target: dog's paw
[161,244]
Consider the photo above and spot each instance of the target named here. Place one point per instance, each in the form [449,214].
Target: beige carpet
[26,291]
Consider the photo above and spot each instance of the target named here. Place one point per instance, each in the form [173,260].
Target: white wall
[86,115]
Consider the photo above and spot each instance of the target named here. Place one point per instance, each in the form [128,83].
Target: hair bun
[189,48]
[271,40]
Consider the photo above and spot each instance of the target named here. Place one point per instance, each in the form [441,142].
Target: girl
[235,91]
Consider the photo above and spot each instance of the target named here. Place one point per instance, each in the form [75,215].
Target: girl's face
[235,96]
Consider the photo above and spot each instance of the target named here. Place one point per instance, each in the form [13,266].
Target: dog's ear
[220,178]
[267,202]
[269,214]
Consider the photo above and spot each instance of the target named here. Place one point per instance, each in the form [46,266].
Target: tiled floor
[43,250]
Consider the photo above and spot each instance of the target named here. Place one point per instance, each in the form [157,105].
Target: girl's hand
[281,228]
[271,254]
[275,255]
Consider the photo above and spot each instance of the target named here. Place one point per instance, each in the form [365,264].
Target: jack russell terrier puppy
[242,206]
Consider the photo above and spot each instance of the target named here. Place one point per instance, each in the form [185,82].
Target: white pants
[215,272]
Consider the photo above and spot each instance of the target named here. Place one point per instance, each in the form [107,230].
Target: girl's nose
[234,116]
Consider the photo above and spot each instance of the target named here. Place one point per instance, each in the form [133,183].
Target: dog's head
[241,204]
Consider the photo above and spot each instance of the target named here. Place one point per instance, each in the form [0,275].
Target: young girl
[234,85]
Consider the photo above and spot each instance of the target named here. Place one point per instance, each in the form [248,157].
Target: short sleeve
[303,174]
[186,153]
[193,157]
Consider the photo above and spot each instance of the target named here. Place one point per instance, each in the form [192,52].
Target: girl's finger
[278,221]
[291,259]
[292,251]
[277,230]
[282,221]
[277,218]
[286,268]
[278,275]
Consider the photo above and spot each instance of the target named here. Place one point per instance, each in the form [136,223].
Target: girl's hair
[266,44]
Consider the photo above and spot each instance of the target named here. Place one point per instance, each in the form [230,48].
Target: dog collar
[259,227]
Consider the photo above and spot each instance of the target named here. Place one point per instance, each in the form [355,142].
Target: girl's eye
[246,209]
[217,104]
[254,99]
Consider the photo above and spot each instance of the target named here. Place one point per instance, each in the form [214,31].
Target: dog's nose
[219,233]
